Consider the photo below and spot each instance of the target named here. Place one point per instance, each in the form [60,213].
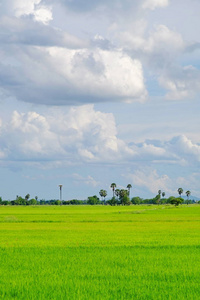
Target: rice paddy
[100,252]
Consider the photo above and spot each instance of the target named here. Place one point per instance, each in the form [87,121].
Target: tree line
[119,197]
[122,197]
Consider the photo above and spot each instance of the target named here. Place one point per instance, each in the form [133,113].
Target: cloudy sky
[94,92]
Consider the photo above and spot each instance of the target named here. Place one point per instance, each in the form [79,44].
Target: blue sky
[98,92]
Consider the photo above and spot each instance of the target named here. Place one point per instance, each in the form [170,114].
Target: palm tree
[159,192]
[27,197]
[117,192]
[113,186]
[188,193]
[180,191]
[163,194]
[122,194]
[103,193]
[129,186]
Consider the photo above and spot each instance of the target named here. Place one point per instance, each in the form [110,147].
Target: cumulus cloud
[189,182]
[180,82]
[88,180]
[64,76]
[157,49]
[151,180]
[34,8]
[185,148]
[82,134]
[178,150]
[19,32]
[44,63]
[152,4]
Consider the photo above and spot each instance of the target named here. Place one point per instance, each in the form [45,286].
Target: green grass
[100,252]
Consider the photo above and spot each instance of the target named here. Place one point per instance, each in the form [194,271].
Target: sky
[95,92]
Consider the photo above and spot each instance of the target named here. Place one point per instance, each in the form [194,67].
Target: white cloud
[152,4]
[189,182]
[165,39]
[160,51]
[185,148]
[21,8]
[88,180]
[85,135]
[43,14]
[96,71]
[153,150]
[25,32]
[181,83]
[100,74]
[151,180]
[63,76]
[82,134]
[154,48]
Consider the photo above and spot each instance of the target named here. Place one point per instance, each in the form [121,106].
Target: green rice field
[100,252]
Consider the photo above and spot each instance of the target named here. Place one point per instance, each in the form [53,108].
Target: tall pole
[60,186]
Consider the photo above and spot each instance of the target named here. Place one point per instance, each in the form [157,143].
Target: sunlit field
[100,252]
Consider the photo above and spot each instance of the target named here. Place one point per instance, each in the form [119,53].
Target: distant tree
[180,191]
[176,201]
[112,201]
[57,202]
[117,192]
[159,192]
[113,186]
[27,197]
[122,193]
[32,202]
[103,194]
[74,202]
[20,201]
[188,193]
[1,200]
[129,186]
[163,201]
[188,201]
[157,198]
[124,198]
[36,198]
[42,202]
[93,200]
[5,202]
[136,200]
[163,194]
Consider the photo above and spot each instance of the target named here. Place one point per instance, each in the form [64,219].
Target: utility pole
[60,186]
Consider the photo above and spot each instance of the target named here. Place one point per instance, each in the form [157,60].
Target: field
[100,252]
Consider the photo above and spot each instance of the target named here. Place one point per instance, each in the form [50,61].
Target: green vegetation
[100,252]
[122,198]
[180,191]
